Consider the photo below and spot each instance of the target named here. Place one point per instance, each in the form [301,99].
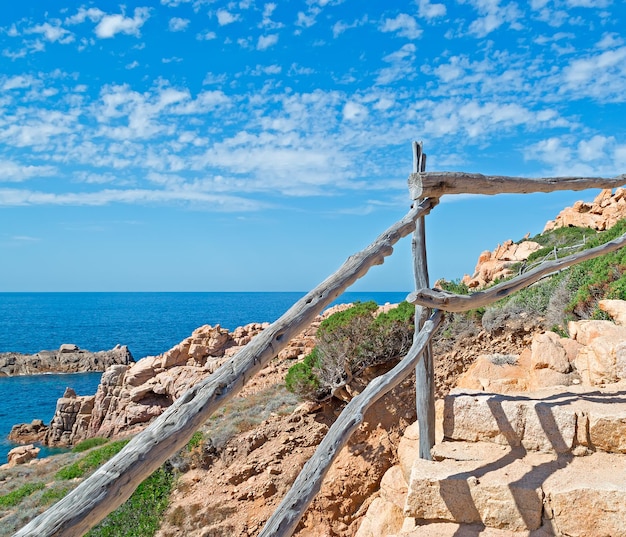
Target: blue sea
[148,323]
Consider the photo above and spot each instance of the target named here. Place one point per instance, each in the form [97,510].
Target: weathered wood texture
[114,482]
[435,298]
[437,184]
[424,369]
[306,486]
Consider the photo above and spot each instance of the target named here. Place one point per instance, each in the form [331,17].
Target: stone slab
[504,493]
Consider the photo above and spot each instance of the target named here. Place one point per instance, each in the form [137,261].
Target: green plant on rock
[347,343]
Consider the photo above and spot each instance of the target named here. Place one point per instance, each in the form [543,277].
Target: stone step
[549,421]
[516,491]
[450,529]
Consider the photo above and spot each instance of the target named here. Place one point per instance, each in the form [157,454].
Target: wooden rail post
[424,370]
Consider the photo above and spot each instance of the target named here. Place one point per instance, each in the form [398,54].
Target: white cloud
[430,11]
[340,27]
[306,20]
[266,41]
[401,64]
[589,3]
[52,33]
[11,171]
[17,82]
[132,65]
[110,25]
[493,16]
[602,75]
[93,14]
[225,17]
[354,111]
[598,156]
[178,24]
[15,198]
[404,25]
[206,36]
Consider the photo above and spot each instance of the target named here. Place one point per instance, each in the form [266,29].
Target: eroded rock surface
[67,359]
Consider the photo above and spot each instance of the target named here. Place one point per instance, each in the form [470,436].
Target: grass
[91,461]
[89,443]
[140,515]
[14,497]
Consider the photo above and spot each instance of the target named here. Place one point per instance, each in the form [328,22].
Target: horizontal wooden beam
[306,486]
[113,483]
[437,184]
[436,298]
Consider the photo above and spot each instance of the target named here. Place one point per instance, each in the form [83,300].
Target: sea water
[148,323]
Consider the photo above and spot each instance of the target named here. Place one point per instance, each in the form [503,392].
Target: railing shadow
[458,487]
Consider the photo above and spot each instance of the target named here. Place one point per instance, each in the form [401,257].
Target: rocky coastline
[68,358]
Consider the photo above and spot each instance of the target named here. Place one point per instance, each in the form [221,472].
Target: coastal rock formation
[67,359]
[496,265]
[26,433]
[130,396]
[601,214]
[22,455]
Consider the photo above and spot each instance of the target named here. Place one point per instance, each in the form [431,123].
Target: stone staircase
[549,463]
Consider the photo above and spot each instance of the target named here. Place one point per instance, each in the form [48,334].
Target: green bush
[140,515]
[343,318]
[195,440]
[91,461]
[347,343]
[301,378]
[16,496]
[89,443]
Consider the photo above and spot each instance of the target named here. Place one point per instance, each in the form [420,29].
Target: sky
[200,145]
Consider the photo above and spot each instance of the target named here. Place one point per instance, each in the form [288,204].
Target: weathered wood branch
[306,486]
[437,184]
[114,482]
[446,301]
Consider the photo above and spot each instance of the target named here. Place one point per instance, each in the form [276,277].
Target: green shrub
[16,496]
[195,440]
[91,461]
[140,515]
[347,343]
[344,318]
[89,443]
[301,378]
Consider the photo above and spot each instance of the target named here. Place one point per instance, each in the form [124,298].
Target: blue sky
[220,146]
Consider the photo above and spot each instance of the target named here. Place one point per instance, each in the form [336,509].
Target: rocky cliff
[601,214]
[67,358]
[129,396]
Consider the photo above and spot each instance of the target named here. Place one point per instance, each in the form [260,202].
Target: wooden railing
[114,482]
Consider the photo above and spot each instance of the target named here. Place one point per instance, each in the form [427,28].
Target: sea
[148,323]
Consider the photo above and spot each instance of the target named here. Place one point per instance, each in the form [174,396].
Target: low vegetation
[91,461]
[571,294]
[348,342]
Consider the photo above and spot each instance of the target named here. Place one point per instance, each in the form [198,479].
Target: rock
[496,265]
[71,420]
[588,496]
[601,214]
[509,420]
[67,359]
[381,519]
[22,455]
[26,433]
[458,491]
[616,309]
